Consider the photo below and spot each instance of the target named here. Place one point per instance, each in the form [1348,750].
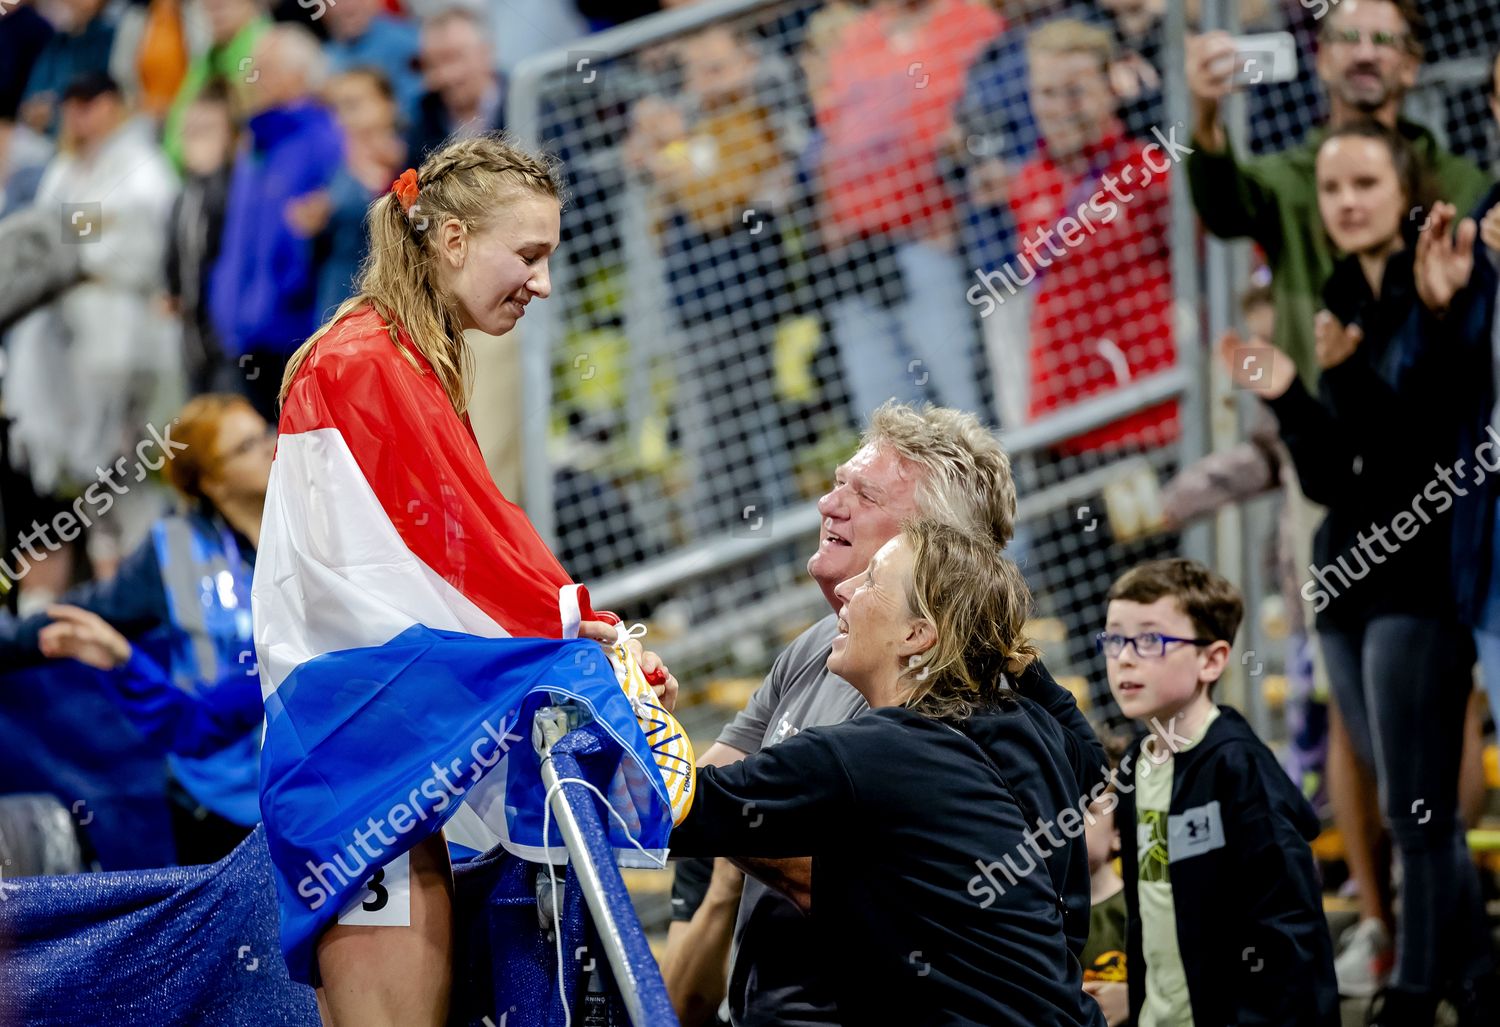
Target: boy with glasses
[1225,910]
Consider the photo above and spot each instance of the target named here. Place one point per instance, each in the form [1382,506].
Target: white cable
[661,864]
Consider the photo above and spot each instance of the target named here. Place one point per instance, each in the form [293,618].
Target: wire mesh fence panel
[785,213]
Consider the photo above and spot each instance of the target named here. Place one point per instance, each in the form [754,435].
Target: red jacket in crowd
[1097,244]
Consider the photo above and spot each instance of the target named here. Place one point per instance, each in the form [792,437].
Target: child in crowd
[1104,967]
[1225,913]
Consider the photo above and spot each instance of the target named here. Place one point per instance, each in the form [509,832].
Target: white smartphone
[1264,58]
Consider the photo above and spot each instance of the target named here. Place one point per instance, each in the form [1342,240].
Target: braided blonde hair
[465,181]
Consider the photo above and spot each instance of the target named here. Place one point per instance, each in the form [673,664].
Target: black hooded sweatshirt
[900,813]
[1250,926]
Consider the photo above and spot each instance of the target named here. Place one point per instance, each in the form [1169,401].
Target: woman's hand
[657,675]
[83,636]
[1113,998]
[1335,342]
[1489,230]
[1445,259]
[1256,366]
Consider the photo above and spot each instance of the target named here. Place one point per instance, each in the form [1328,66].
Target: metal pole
[1197,540]
[549,726]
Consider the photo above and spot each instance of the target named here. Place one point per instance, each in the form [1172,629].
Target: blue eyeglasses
[1150,645]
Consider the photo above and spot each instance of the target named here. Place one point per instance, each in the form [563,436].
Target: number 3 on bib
[385,900]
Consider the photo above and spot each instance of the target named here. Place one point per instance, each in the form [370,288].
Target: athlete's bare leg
[395,976]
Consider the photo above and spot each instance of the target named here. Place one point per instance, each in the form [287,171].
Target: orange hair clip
[406,189]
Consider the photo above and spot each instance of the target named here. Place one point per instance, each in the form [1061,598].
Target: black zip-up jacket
[1250,926]
[1366,448]
[900,814]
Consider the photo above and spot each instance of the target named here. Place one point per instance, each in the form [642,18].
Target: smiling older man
[935,462]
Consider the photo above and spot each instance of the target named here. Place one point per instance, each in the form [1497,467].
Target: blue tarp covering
[199,945]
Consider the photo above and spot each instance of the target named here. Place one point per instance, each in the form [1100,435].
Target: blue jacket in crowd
[263,294]
[190,687]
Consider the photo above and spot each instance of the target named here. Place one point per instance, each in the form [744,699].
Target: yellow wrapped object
[667,740]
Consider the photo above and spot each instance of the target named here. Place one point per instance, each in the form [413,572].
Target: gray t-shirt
[773,977]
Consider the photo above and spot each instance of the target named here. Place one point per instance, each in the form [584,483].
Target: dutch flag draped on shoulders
[408,623]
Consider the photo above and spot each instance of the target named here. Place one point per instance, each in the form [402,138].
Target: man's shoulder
[806,693]
[804,663]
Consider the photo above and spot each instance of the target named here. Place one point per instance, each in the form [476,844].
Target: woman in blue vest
[173,627]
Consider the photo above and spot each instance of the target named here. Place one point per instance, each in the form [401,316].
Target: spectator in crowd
[930,635]
[181,676]
[726,269]
[1092,208]
[361,34]
[1369,52]
[235,26]
[890,227]
[374,154]
[154,47]
[1458,283]
[86,369]
[83,42]
[465,95]
[1368,55]
[995,116]
[1203,803]
[1104,968]
[1398,658]
[1252,468]
[197,230]
[1103,310]
[263,294]
[995,132]
[24,35]
[929,462]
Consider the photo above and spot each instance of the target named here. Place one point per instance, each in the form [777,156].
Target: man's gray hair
[967,483]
